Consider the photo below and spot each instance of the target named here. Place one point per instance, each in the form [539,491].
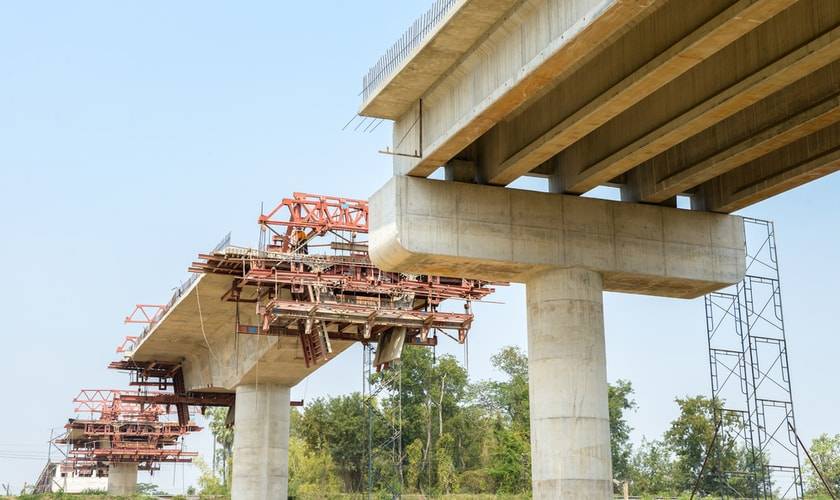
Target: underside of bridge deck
[729,102]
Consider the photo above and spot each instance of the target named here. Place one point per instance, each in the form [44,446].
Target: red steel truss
[315,281]
[313,215]
[145,313]
[168,375]
[123,426]
[128,344]
[147,373]
[353,274]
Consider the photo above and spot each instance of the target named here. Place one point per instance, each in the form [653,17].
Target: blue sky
[135,134]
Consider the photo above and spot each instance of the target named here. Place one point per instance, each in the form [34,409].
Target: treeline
[467,437]
[462,437]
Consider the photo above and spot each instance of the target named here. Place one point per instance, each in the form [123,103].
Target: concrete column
[261,442]
[570,427]
[122,479]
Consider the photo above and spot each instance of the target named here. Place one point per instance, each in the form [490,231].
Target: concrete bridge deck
[729,102]
[198,332]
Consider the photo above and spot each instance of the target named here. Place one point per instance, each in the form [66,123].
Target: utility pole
[49,446]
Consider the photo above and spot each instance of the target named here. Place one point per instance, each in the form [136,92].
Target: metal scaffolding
[750,377]
[311,279]
[384,425]
[122,427]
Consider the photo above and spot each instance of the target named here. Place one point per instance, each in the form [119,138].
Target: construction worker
[300,238]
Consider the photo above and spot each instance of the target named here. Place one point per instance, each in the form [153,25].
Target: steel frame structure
[376,384]
[750,375]
[300,290]
[145,314]
[314,215]
[334,293]
[123,426]
[165,376]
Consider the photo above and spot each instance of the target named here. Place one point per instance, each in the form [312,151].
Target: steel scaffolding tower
[750,377]
[384,424]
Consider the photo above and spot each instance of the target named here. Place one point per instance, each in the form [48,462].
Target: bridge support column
[567,250]
[122,479]
[570,427]
[261,442]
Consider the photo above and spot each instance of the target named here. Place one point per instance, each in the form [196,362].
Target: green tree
[209,484]
[148,489]
[312,473]
[510,395]
[510,463]
[337,426]
[619,403]
[689,437]
[472,431]
[432,401]
[651,469]
[432,392]
[508,454]
[825,450]
[223,436]
[447,476]
[414,466]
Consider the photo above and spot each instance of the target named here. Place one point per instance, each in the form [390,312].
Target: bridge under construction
[249,325]
[688,111]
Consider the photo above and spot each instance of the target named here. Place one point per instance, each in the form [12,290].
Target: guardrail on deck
[409,40]
[179,292]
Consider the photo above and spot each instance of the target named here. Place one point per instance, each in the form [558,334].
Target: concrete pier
[122,479]
[717,104]
[567,250]
[570,427]
[261,442]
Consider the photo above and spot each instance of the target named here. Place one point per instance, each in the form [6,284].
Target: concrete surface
[261,442]
[122,479]
[463,26]
[570,421]
[567,250]
[494,233]
[729,101]
[213,359]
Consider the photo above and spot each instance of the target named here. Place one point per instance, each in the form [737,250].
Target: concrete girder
[606,92]
[427,226]
[770,139]
[538,43]
[804,94]
[798,163]
[746,92]
[464,26]
[723,29]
